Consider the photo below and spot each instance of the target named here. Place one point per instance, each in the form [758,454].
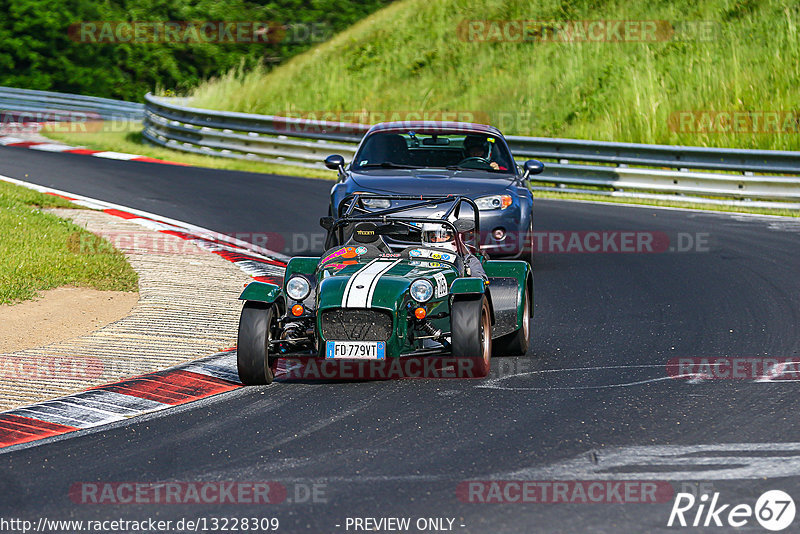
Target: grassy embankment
[39,251]
[412,56]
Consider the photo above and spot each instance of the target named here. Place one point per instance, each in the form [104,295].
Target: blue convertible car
[441,158]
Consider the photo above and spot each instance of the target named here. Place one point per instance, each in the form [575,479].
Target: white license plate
[355,350]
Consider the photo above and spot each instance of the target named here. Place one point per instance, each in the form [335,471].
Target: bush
[39,53]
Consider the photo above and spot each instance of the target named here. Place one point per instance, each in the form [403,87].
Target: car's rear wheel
[257,327]
[471,336]
[516,343]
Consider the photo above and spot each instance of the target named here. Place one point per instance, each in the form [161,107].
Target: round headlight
[298,288]
[376,203]
[421,290]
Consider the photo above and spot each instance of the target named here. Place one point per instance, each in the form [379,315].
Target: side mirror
[464,225]
[532,166]
[335,163]
[326,223]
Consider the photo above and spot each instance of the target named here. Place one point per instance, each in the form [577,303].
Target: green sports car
[362,300]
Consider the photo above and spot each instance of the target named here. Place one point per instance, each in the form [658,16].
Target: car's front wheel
[471,336]
[257,327]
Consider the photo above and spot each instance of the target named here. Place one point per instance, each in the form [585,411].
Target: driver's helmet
[472,142]
[438,235]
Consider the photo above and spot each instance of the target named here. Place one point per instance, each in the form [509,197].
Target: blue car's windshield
[453,150]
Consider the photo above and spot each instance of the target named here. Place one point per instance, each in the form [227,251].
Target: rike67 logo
[774,510]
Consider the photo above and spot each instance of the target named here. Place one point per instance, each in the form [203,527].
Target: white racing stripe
[375,282]
[361,286]
[350,282]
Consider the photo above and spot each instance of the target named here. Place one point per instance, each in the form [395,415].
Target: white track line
[668,208]
[199,230]
[52,147]
[115,155]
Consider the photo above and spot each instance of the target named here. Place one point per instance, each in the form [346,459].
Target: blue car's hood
[432,182]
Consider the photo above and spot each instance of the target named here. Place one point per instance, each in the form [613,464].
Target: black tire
[256,328]
[516,343]
[471,335]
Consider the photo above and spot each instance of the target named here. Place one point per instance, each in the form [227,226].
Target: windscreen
[457,150]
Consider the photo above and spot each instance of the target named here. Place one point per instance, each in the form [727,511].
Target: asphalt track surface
[593,384]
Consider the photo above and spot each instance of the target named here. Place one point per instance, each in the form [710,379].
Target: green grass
[39,251]
[409,57]
[127,137]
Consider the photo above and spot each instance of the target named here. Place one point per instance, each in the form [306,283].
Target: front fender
[301,265]
[467,286]
[261,292]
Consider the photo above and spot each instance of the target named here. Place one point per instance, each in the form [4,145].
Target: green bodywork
[468,286]
[520,270]
[261,292]
[388,292]
[391,295]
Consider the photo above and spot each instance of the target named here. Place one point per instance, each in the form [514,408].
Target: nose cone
[391,292]
[381,283]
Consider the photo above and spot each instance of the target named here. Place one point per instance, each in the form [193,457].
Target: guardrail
[752,177]
[27,105]
[245,136]
[618,169]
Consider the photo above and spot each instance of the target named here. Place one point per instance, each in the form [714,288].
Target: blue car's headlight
[376,203]
[494,202]
[421,290]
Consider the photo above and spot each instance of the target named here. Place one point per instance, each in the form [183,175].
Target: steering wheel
[476,159]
